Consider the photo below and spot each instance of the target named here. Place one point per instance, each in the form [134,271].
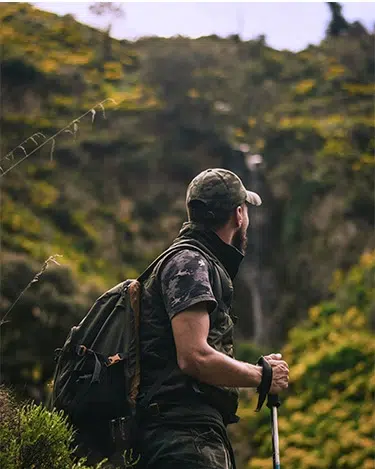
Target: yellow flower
[304,86]
[368,464]
[335,71]
[314,312]
[368,258]
[193,93]
[251,121]
[337,280]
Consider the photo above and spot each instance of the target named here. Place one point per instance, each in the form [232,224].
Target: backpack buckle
[81,350]
[57,353]
[154,409]
[114,359]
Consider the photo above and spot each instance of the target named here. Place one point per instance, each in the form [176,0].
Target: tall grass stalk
[51,259]
[74,124]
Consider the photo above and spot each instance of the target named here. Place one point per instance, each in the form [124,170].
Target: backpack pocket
[91,386]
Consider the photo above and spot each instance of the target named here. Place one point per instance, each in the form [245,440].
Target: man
[186,333]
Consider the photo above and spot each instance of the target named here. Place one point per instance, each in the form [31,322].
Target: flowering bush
[326,418]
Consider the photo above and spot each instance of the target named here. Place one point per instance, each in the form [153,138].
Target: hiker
[186,334]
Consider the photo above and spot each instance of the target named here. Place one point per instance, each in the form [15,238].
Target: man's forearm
[216,368]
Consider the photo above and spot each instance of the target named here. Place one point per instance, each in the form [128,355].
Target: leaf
[102,107]
[52,149]
[75,129]
[53,259]
[22,148]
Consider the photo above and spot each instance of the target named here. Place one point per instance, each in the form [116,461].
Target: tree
[338,24]
[114,11]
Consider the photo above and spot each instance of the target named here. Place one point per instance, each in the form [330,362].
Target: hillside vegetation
[108,195]
[326,419]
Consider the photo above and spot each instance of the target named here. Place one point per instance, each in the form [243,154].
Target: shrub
[326,418]
[31,437]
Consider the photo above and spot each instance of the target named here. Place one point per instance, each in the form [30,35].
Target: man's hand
[273,356]
[280,373]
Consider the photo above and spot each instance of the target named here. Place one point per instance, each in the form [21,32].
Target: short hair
[198,212]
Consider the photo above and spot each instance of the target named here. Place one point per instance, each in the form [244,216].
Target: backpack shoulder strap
[164,257]
[220,275]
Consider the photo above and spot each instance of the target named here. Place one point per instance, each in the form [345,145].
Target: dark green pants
[192,436]
[175,446]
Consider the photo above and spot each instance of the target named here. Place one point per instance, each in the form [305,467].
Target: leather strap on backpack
[135,301]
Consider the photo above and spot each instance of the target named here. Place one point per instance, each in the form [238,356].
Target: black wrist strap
[265,384]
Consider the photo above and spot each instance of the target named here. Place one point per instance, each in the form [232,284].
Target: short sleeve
[185,281]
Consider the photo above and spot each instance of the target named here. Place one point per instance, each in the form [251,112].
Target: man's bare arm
[198,359]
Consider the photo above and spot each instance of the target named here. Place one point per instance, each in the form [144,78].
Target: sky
[286,25]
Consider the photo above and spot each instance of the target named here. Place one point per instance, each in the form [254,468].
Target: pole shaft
[275,438]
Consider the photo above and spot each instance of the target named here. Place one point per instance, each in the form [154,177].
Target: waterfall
[252,271]
[257,286]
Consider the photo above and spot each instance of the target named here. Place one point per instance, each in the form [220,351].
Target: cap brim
[253,198]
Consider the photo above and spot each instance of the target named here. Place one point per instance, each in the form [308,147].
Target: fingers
[279,363]
[280,372]
[273,356]
[280,375]
[279,383]
[277,388]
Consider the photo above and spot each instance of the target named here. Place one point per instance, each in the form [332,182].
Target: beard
[239,240]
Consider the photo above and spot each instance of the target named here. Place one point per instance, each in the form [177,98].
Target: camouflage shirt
[184,279]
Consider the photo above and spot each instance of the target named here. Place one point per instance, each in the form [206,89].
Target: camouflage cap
[220,189]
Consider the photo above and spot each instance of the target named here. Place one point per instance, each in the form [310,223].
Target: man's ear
[239,216]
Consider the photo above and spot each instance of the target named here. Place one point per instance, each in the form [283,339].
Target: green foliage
[33,438]
[297,206]
[39,321]
[248,352]
[326,418]
[112,195]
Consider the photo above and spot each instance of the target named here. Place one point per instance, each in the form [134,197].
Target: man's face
[239,240]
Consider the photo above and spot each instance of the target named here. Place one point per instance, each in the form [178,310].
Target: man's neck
[228,255]
[225,235]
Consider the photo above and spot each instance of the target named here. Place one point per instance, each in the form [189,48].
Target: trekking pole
[273,404]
